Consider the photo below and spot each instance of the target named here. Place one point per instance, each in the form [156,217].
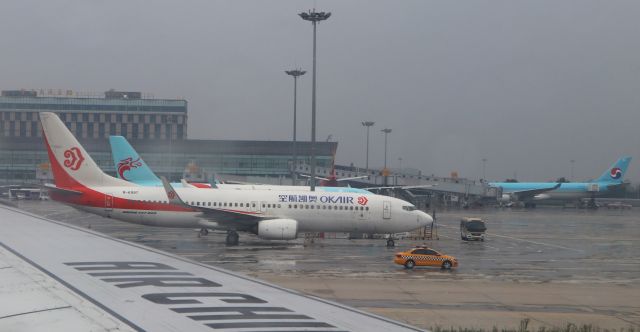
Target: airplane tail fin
[129,165]
[616,172]
[71,164]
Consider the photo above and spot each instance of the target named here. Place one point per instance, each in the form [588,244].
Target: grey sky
[529,85]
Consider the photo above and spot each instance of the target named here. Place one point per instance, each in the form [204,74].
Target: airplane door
[386,210]
[108,204]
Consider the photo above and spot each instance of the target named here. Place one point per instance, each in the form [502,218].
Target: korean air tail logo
[362,200]
[127,164]
[73,159]
[616,173]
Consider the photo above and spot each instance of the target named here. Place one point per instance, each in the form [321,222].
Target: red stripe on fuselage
[200,185]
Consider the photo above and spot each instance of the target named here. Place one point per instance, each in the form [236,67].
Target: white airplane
[275,214]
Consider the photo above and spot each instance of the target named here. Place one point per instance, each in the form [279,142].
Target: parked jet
[277,214]
[131,167]
[529,192]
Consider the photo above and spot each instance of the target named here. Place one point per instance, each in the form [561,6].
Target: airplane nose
[425,219]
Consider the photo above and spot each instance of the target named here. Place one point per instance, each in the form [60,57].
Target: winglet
[186,184]
[171,193]
[212,181]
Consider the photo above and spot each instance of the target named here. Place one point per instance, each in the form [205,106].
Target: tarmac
[549,265]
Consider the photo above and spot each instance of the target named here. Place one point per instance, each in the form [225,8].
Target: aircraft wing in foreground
[58,277]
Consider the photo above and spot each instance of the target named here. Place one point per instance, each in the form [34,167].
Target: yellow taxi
[423,256]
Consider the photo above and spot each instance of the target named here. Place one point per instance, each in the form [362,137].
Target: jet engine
[540,197]
[278,229]
[506,198]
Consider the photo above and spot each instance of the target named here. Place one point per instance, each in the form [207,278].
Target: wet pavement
[539,245]
[547,264]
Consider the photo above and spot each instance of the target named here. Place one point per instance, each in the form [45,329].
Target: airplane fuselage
[566,191]
[314,211]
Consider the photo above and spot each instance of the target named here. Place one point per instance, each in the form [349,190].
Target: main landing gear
[390,242]
[203,232]
[232,238]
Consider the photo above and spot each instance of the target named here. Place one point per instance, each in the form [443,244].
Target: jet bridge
[415,187]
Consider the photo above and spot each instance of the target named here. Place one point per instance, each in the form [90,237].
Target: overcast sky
[528,85]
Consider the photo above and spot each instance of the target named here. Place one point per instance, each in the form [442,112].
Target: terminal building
[157,128]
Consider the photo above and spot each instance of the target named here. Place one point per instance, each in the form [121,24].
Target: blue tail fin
[129,165]
[616,172]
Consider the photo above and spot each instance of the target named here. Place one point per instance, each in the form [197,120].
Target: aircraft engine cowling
[506,198]
[541,197]
[278,229]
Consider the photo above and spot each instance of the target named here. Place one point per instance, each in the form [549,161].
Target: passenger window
[263,205]
[324,207]
[279,206]
[351,208]
[366,208]
[198,203]
[295,206]
[254,204]
[225,204]
[289,205]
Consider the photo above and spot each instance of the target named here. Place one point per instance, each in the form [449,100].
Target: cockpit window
[409,207]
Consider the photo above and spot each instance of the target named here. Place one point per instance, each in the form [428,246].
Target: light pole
[295,73]
[385,172]
[314,17]
[385,131]
[368,125]
[572,162]
[484,161]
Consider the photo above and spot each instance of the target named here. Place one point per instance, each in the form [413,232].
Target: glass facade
[93,118]
[145,123]
[20,166]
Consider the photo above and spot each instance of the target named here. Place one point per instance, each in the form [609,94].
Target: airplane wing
[353,178]
[526,194]
[58,277]
[401,187]
[339,179]
[317,177]
[220,216]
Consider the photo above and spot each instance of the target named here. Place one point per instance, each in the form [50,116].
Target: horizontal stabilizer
[59,190]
